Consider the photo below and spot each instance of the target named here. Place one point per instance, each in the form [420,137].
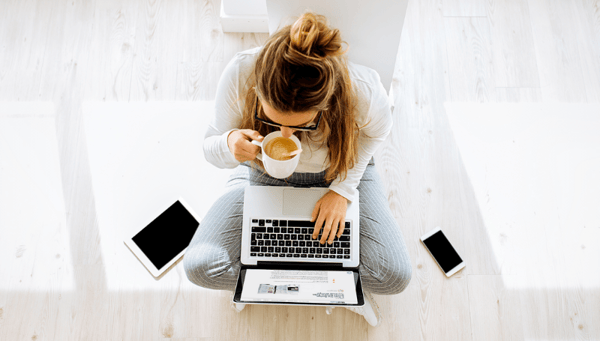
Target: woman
[299,82]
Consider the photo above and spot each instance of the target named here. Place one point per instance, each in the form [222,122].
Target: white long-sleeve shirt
[373,114]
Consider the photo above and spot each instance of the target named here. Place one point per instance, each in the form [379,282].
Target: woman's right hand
[240,145]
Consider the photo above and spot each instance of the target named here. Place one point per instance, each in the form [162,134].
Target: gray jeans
[212,259]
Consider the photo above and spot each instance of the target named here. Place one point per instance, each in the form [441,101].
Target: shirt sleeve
[227,117]
[379,122]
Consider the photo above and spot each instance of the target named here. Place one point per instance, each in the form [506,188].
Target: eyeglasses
[310,127]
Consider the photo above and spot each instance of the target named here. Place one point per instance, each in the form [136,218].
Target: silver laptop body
[268,208]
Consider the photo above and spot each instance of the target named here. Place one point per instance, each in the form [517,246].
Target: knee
[392,277]
[397,279]
[195,265]
[400,276]
[203,266]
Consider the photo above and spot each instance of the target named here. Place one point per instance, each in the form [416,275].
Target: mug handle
[256,143]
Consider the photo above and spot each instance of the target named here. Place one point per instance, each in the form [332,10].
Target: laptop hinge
[299,266]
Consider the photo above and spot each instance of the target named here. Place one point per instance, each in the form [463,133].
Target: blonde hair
[303,68]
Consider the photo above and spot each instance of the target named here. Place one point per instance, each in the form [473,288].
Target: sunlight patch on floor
[534,169]
[34,243]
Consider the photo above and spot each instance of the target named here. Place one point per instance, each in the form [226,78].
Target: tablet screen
[167,235]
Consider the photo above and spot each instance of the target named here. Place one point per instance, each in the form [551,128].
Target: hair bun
[311,36]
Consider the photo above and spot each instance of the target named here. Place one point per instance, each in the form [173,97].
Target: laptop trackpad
[300,202]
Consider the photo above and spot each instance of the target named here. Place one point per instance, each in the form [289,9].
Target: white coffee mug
[279,169]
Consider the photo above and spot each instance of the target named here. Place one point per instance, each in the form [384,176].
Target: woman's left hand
[329,213]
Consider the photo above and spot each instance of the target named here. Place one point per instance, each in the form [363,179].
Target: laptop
[283,265]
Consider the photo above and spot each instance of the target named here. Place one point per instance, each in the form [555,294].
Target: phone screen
[442,251]
[167,235]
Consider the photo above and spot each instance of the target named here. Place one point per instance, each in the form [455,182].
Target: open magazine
[334,287]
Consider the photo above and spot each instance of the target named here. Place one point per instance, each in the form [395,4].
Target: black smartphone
[443,252]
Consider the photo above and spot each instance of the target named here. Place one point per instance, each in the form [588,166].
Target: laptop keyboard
[293,239]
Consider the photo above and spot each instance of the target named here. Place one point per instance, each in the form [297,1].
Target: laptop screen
[328,287]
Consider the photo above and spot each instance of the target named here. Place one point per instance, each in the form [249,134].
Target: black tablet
[163,241]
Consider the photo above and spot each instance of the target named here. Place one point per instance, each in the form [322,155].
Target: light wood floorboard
[513,48]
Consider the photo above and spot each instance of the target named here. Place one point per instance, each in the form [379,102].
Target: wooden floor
[56,55]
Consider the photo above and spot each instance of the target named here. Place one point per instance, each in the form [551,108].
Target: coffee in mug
[280,148]
[275,154]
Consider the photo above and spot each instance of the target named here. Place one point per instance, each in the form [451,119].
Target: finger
[315,212]
[253,152]
[342,227]
[252,134]
[318,226]
[245,155]
[248,146]
[326,231]
[246,150]
[334,229]
[313,217]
